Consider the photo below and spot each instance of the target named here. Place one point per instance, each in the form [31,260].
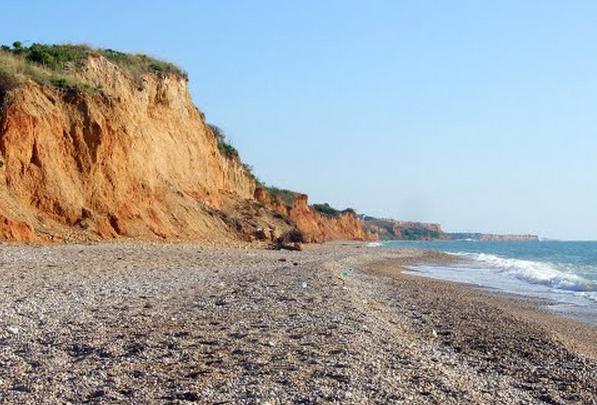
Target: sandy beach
[336,323]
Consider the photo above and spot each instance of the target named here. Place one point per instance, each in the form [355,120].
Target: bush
[225,148]
[285,196]
[57,57]
[326,209]
[7,81]
[54,64]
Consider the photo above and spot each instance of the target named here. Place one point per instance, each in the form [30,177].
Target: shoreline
[560,303]
[567,310]
[579,332]
[338,322]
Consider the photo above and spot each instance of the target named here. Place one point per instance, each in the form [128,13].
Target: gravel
[336,323]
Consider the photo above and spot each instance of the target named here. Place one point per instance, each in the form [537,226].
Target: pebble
[146,323]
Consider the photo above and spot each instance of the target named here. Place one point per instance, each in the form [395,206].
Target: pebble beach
[335,323]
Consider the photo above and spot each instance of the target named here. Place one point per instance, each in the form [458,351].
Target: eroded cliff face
[134,159]
[314,226]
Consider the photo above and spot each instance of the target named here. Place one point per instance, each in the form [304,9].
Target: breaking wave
[558,276]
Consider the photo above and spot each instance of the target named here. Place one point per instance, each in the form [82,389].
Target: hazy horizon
[477,116]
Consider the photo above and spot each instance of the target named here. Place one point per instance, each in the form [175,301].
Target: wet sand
[336,323]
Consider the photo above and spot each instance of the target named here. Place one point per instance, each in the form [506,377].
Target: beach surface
[336,323]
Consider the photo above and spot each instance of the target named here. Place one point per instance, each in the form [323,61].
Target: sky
[479,115]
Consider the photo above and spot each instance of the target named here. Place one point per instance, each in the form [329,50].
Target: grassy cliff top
[327,210]
[56,64]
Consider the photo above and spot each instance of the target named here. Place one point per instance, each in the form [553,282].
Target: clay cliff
[391,229]
[108,151]
[314,226]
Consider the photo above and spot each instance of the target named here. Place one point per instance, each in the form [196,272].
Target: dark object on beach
[291,240]
[260,234]
[282,260]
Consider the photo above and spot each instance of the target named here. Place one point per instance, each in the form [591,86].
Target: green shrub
[55,64]
[327,210]
[285,196]
[225,148]
[7,81]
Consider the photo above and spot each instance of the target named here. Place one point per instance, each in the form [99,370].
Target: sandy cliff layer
[134,159]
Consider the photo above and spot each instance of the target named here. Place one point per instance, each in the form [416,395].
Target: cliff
[391,229]
[315,226]
[134,159]
[490,237]
[97,144]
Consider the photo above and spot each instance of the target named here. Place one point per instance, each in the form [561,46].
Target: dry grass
[56,65]
[15,69]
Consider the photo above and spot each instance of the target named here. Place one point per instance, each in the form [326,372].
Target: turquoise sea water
[565,273]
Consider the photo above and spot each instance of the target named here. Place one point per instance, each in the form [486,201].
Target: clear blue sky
[480,115]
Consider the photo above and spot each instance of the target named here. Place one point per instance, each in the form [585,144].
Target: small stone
[13,330]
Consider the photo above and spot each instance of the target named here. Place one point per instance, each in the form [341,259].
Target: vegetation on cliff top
[285,196]
[389,229]
[327,210]
[56,64]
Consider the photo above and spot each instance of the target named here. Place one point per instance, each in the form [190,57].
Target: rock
[260,234]
[291,240]
[292,246]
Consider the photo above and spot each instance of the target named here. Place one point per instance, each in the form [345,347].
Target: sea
[563,274]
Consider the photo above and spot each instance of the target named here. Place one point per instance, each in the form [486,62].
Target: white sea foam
[374,244]
[548,274]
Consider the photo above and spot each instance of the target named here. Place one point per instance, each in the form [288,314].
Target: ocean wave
[556,276]
[591,295]
[374,244]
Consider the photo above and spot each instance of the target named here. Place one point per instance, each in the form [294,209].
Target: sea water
[562,273]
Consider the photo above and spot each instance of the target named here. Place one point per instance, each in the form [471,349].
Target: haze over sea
[563,272]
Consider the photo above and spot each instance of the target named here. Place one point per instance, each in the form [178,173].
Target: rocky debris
[160,323]
[291,240]
[261,234]
[297,246]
